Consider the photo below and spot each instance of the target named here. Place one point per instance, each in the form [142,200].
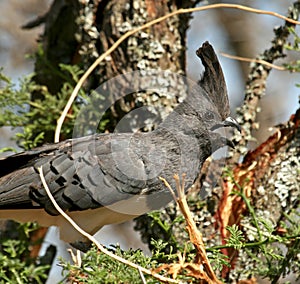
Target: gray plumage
[107,178]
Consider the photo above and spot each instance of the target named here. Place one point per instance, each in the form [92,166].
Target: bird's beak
[228,122]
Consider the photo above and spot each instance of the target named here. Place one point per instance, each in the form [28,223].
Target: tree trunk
[77,32]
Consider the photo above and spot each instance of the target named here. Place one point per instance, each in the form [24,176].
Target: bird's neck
[183,120]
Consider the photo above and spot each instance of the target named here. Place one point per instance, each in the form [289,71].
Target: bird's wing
[83,173]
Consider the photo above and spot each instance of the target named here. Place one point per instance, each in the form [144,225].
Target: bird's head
[204,120]
[215,109]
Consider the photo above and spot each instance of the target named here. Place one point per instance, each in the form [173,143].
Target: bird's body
[109,178]
[115,172]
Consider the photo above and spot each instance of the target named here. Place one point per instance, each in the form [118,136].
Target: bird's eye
[209,116]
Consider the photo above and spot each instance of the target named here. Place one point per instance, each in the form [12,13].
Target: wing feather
[85,173]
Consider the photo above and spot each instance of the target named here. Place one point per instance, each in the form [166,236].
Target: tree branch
[256,83]
[145,26]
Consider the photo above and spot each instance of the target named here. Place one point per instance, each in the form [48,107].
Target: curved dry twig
[92,239]
[195,235]
[260,61]
[147,25]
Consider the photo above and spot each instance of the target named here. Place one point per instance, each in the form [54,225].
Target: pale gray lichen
[286,179]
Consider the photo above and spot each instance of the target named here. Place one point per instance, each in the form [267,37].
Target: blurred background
[229,31]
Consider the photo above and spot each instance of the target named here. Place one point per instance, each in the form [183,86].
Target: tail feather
[14,189]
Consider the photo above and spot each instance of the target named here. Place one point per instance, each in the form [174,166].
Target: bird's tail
[15,187]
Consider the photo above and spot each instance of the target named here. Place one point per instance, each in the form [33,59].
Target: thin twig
[260,61]
[145,26]
[167,185]
[142,276]
[92,239]
[76,258]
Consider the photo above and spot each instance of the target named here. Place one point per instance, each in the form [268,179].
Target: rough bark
[268,175]
[78,32]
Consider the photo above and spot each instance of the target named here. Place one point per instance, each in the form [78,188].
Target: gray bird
[109,178]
